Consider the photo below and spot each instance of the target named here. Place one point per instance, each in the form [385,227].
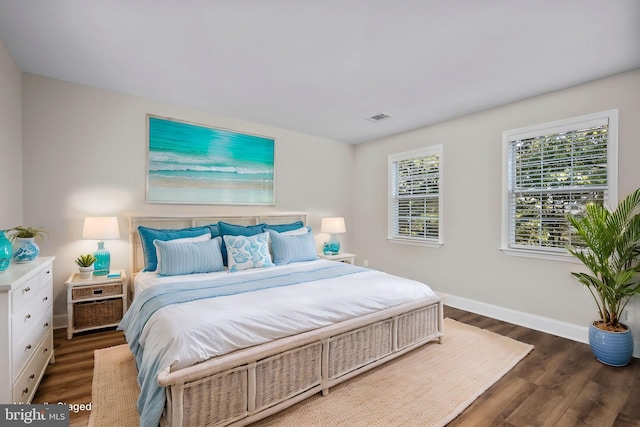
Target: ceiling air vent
[379,117]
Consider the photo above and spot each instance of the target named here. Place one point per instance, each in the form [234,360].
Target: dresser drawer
[28,344]
[24,319]
[25,386]
[27,291]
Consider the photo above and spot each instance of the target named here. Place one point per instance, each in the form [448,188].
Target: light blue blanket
[152,397]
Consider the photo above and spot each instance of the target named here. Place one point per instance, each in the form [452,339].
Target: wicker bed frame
[250,384]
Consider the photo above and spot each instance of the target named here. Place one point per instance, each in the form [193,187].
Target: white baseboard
[531,321]
[59,321]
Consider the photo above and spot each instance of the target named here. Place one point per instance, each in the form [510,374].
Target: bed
[300,327]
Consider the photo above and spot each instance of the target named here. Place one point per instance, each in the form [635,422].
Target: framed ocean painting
[196,164]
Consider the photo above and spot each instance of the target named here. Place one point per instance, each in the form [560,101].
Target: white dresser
[26,328]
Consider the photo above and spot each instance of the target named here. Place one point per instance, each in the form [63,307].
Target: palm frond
[611,253]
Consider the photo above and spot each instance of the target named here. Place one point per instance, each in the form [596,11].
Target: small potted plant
[85,265]
[25,250]
[610,249]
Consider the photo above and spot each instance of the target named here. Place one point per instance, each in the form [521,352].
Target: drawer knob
[45,298]
[45,350]
[28,346]
[28,316]
[45,325]
[25,391]
[32,376]
[27,289]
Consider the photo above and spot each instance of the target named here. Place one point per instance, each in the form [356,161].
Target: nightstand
[342,257]
[98,302]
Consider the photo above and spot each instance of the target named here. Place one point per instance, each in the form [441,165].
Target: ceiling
[323,67]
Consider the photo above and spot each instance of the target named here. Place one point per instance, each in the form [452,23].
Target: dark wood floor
[559,384]
[68,380]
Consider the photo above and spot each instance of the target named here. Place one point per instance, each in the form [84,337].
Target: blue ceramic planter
[26,250]
[611,348]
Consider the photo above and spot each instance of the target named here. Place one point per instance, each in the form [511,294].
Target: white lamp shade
[333,225]
[101,228]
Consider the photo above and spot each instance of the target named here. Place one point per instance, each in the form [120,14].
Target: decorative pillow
[284,227]
[293,247]
[189,257]
[301,230]
[246,252]
[148,235]
[227,229]
[202,238]
[215,230]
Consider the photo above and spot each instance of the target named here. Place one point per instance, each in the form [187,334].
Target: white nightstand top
[342,256]
[75,280]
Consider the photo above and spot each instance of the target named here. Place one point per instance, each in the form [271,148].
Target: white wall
[470,265]
[85,154]
[10,141]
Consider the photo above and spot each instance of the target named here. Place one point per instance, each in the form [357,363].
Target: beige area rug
[429,386]
[115,390]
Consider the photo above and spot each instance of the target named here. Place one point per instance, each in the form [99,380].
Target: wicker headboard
[136,262]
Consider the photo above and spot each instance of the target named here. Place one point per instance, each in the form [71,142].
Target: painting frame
[194,163]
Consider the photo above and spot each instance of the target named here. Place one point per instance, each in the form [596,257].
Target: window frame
[565,125]
[391,226]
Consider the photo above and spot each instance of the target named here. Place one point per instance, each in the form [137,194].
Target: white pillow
[244,252]
[301,230]
[201,238]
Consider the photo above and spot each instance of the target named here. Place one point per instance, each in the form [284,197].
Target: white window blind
[415,205]
[553,171]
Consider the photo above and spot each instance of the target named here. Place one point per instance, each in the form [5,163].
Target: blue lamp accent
[333,226]
[103,260]
[101,228]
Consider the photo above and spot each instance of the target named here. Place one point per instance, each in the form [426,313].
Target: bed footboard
[251,384]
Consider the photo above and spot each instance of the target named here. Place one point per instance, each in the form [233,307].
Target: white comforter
[198,330]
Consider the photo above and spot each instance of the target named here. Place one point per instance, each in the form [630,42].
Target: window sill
[415,242]
[527,253]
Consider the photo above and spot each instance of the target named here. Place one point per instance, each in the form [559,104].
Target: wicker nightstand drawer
[92,292]
[97,313]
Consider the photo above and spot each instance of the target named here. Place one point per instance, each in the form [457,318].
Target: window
[415,203]
[551,170]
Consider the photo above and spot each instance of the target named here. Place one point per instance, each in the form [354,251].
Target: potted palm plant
[85,265]
[25,250]
[610,249]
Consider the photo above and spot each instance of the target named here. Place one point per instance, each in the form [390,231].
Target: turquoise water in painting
[197,164]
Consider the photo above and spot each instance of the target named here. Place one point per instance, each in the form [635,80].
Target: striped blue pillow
[189,257]
[292,248]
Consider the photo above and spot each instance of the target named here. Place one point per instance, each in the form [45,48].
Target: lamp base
[103,261]
[332,247]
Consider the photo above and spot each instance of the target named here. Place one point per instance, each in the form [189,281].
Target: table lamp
[101,228]
[332,226]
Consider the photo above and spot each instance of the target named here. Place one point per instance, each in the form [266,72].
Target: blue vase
[103,260]
[6,251]
[26,250]
[611,348]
